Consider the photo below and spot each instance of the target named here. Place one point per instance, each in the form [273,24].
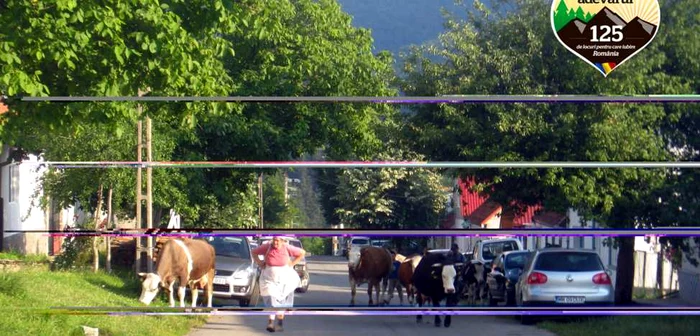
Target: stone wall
[27,243]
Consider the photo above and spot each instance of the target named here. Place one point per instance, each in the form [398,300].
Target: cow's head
[447,273]
[150,283]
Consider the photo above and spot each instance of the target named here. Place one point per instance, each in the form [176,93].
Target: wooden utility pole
[260,199]
[286,188]
[140,196]
[108,240]
[95,250]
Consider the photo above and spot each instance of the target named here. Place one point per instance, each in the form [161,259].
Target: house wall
[21,210]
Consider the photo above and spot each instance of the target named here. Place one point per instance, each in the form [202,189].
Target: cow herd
[429,278]
[432,277]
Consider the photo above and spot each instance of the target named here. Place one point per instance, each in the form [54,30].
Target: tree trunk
[95,250]
[109,226]
[624,282]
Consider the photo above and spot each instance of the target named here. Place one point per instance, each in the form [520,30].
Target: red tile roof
[478,210]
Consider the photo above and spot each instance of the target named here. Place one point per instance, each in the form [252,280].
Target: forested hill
[396,24]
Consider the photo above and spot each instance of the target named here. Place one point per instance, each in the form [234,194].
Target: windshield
[295,243]
[516,260]
[490,250]
[359,241]
[230,247]
[569,262]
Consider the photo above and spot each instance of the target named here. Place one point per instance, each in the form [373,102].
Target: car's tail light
[602,279]
[536,278]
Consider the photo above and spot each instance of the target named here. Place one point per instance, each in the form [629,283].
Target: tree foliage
[513,53]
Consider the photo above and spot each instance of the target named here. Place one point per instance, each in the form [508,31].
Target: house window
[609,254]
[14,183]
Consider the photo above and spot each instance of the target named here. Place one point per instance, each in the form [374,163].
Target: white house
[19,182]
[20,189]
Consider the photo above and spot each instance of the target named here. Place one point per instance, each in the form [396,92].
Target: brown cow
[373,267]
[187,262]
[408,265]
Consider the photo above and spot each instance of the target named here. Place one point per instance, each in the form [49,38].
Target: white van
[485,250]
[355,245]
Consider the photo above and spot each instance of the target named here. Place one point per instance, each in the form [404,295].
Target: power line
[367,164]
[445,99]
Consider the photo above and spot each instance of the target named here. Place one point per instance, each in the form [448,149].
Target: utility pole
[260,199]
[286,188]
[141,144]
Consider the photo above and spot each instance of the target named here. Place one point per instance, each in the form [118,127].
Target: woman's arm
[260,250]
[300,255]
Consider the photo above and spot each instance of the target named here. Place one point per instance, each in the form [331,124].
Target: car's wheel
[525,319]
[305,288]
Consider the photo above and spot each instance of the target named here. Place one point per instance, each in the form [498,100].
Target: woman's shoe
[270,326]
[279,325]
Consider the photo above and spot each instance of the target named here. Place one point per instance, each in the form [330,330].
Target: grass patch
[26,296]
[35,258]
[625,325]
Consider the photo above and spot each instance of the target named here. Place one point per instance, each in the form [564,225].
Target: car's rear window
[516,260]
[295,243]
[490,250]
[568,262]
[360,242]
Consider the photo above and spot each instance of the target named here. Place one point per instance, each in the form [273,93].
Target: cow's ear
[142,275]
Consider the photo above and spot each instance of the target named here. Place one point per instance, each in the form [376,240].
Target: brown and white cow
[406,269]
[373,267]
[189,262]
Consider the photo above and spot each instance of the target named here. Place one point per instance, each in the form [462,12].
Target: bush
[76,253]
[316,245]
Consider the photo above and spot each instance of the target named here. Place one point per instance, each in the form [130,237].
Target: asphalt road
[329,286]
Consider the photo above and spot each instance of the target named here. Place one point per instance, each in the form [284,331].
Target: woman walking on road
[278,279]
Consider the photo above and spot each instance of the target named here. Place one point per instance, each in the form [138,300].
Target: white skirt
[277,286]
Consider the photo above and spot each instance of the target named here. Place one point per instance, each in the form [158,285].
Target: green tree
[113,48]
[485,56]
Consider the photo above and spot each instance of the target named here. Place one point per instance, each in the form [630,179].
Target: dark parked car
[503,277]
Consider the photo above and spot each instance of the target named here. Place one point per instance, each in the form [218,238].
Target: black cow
[434,278]
[474,277]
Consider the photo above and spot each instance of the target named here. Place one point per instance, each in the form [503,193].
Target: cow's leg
[210,287]
[171,294]
[353,290]
[400,291]
[195,293]
[436,304]
[181,295]
[450,301]
[419,299]
[385,287]
[370,286]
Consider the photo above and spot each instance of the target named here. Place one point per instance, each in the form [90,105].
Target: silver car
[236,273]
[556,276]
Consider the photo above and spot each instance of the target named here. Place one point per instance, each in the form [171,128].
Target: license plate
[220,281]
[570,299]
